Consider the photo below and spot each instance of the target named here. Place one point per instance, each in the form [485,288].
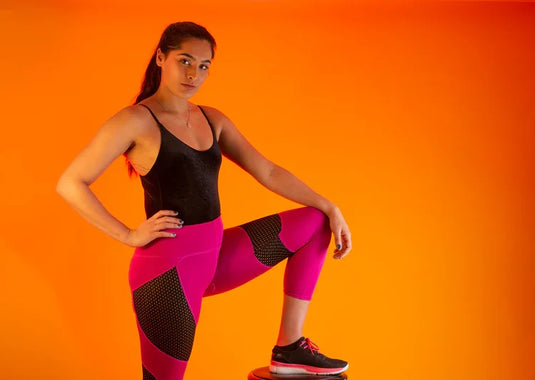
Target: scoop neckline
[179,140]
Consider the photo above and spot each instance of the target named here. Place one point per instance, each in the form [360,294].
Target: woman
[182,252]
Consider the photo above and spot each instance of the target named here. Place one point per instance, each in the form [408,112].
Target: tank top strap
[209,123]
[154,116]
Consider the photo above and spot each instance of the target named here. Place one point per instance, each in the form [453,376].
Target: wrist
[125,237]
[329,209]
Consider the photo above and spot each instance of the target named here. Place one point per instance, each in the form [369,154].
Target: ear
[159,57]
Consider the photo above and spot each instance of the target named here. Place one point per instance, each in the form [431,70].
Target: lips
[188,85]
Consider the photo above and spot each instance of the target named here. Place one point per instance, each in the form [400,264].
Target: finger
[173,225]
[167,222]
[346,247]
[342,253]
[161,213]
[337,241]
[165,234]
[171,219]
[347,240]
[163,225]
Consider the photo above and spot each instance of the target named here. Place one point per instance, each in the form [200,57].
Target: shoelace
[307,343]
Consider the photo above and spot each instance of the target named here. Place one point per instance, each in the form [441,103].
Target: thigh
[167,280]
[252,248]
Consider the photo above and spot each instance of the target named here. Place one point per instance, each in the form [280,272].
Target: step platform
[264,374]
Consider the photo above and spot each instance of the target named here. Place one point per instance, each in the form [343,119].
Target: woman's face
[185,69]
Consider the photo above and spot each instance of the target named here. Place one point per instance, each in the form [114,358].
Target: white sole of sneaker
[299,369]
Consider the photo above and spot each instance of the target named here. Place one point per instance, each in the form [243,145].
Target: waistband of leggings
[216,222]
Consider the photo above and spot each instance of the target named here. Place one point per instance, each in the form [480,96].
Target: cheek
[173,73]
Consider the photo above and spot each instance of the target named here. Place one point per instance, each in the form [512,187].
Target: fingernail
[180,220]
[338,246]
[174,235]
[176,212]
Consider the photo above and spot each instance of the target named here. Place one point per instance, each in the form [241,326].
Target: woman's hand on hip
[342,235]
[153,227]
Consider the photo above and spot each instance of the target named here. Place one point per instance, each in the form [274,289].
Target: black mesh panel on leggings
[164,315]
[147,375]
[264,234]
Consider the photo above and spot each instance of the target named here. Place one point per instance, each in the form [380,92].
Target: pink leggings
[169,276]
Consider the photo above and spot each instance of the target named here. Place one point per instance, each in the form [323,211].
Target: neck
[171,103]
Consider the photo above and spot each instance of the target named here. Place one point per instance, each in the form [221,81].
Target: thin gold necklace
[189,112]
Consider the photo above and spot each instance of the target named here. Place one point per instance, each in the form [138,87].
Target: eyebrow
[192,57]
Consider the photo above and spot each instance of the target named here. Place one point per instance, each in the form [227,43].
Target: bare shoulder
[135,118]
[130,124]
[117,135]
[212,111]
[217,117]
[235,146]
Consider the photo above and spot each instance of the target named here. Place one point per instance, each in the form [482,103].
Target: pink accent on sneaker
[307,343]
[286,368]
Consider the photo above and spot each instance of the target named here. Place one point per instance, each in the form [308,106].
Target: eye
[205,67]
[185,61]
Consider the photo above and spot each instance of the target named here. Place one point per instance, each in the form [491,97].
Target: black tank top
[183,178]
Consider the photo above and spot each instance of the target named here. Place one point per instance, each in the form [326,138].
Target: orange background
[417,119]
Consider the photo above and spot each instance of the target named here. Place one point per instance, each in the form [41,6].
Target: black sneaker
[303,357]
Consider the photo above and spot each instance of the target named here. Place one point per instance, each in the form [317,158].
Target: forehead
[195,48]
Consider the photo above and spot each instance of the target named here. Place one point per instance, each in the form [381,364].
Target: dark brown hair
[172,38]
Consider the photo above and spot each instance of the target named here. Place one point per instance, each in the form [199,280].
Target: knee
[302,225]
[323,231]
[319,222]
[309,216]
[318,218]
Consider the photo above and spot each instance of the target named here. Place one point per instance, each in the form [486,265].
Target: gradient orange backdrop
[416,119]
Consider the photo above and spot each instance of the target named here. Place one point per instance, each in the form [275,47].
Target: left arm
[289,186]
[277,179]
[286,184]
[274,177]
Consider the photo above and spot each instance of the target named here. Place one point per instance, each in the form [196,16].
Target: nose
[192,74]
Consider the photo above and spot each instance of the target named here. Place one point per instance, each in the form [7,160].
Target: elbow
[266,178]
[64,186]
[61,186]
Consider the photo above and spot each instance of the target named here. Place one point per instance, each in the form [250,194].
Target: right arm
[114,137]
